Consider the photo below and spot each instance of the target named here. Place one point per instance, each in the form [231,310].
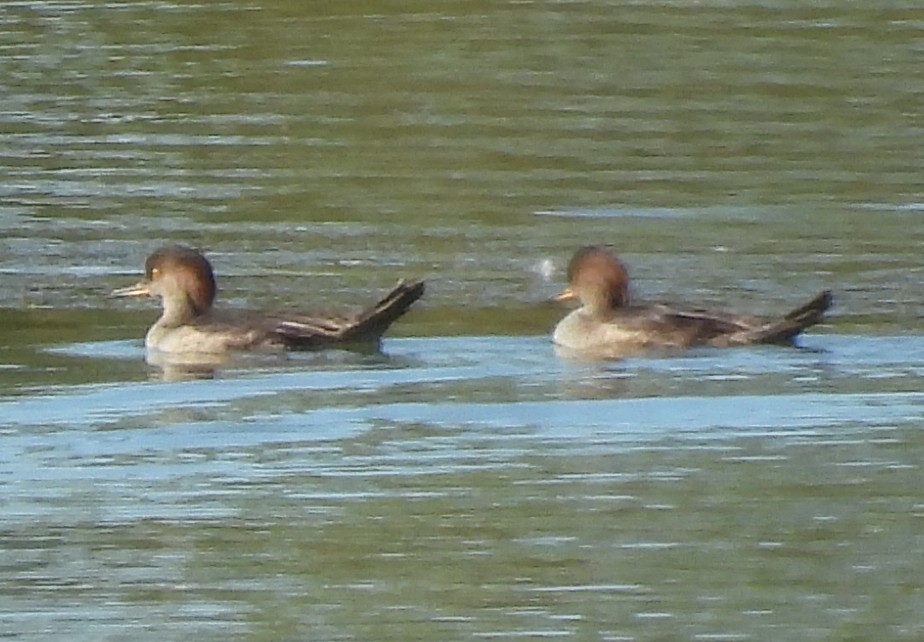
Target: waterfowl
[608,323]
[182,278]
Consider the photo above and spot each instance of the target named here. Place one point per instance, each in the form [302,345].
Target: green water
[466,483]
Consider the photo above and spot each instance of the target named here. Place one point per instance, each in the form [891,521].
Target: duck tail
[785,330]
[372,322]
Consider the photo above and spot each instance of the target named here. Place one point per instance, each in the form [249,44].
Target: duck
[610,323]
[183,279]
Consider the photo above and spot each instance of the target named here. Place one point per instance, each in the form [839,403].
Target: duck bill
[142,288]
[567,295]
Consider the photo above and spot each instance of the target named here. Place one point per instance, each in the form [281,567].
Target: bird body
[608,323]
[184,281]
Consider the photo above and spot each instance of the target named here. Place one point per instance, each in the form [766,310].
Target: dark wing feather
[785,329]
[690,327]
[305,332]
[687,327]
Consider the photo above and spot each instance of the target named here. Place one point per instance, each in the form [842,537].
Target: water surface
[465,482]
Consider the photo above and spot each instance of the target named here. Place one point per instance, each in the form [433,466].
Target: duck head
[181,277]
[598,279]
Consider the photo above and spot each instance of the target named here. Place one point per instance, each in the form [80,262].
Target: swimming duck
[183,279]
[609,324]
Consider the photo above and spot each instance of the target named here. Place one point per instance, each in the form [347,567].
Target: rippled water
[458,487]
[465,482]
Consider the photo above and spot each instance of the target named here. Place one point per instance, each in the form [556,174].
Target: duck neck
[179,309]
[598,306]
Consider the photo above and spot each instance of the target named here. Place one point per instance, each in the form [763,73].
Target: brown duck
[609,324]
[183,279]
